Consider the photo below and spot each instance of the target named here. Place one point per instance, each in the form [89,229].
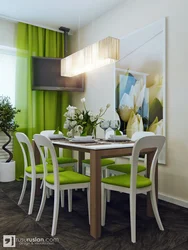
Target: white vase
[7,171]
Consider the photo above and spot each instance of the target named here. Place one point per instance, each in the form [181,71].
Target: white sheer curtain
[7,72]
[7,87]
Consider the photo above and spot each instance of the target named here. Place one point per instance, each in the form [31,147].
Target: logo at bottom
[9,240]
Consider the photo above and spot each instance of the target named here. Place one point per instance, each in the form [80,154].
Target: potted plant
[7,125]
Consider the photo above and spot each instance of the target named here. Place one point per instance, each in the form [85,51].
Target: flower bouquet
[83,122]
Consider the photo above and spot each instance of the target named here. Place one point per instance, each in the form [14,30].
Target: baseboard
[173,200]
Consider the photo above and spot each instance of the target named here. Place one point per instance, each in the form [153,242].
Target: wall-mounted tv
[46,76]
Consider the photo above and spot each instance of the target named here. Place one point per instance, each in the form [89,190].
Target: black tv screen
[47,76]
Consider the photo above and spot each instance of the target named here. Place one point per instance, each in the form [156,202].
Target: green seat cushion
[124,181]
[104,162]
[39,169]
[125,168]
[67,168]
[63,160]
[68,177]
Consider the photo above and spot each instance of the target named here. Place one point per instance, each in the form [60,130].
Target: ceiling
[72,14]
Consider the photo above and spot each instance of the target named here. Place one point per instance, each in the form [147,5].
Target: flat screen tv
[46,76]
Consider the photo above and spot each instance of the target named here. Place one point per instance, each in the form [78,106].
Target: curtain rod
[17,21]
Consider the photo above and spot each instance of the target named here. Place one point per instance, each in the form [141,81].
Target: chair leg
[107,174]
[23,190]
[42,203]
[32,195]
[55,212]
[41,185]
[103,205]
[103,173]
[155,209]
[76,167]
[50,192]
[62,198]
[88,203]
[108,195]
[83,172]
[133,217]
[83,169]
[70,200]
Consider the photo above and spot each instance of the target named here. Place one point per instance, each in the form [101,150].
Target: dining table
[99,149]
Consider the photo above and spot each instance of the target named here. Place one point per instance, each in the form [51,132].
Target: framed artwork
[140,96]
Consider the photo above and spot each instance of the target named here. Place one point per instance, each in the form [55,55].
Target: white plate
[119,137]
[56,136]
[82,140]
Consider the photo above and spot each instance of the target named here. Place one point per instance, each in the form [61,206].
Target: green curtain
[40,110]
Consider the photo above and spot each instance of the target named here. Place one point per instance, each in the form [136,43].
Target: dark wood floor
[73,228]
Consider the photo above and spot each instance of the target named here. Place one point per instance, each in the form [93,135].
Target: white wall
[7,33]
[126,18]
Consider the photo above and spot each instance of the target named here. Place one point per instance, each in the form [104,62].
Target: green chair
[33,171]
[66,180]
[134,184]
[62,161]
[105,163]
[117,169]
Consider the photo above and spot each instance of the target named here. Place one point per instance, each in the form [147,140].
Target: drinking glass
[114,124]
[105,125]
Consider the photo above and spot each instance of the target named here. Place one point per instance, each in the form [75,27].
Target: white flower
[132,101]
[71,108]
[81,117]
[83,100]
[156,127]
[156,90]
[70,133]
[137,93]
[73,123]
[108,105]
[79,128]
[134,124]
[67,124]
[71,111]
[126,106]
[82,121]
[93,118]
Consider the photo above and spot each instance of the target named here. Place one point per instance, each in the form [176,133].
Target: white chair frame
[23,139]
[42,141]
[136,136]
[156,141]
[48,133]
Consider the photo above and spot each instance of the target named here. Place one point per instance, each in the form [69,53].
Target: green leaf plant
[7,121]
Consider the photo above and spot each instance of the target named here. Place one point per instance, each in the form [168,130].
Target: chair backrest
[140,134]
[24,140]
[147,142]
[136,136]
[48,133]
[44,142]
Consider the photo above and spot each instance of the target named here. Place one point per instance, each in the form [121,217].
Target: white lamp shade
[92,57]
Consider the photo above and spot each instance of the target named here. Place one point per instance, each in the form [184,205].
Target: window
[8,72]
